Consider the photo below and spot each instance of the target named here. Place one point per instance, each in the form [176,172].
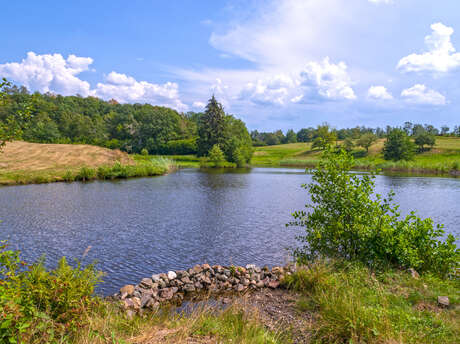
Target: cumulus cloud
[50,73]
[270,90]
[440,57]
[331,80]
[126,89]
[420,94]
[379,92]
[323,80]
[54,73]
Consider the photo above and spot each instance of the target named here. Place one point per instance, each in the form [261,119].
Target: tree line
[310,134]
[148,129]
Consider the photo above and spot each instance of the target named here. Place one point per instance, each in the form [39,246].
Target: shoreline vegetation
[35,163]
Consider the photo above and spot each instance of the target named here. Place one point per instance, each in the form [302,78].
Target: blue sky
[275,64]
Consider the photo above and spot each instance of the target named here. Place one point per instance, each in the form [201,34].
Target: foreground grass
[355,305]
[348,302]
[443,158]
[203,325]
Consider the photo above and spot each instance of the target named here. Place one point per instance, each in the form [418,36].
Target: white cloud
[126,89]
[440,57]
[50,73]
[199,105]
[284,33]
[331,80]
[270,90]
[379,92]
[54,73]
[323,79]
[420,94]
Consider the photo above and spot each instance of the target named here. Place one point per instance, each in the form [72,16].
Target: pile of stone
[175,286]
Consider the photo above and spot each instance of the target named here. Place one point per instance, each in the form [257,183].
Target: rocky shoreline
[198,282]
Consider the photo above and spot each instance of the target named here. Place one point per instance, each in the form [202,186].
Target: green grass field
[443,158]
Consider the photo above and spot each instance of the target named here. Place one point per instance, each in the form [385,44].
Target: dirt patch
[25,156]
[276,309]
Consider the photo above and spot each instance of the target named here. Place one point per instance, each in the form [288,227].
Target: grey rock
[128,289]
[145,300]
[167,293]
[146,283]
[443,301]
[156,278]
[221,277]
[189,288]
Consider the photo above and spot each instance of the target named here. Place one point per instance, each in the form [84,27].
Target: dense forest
[133,128]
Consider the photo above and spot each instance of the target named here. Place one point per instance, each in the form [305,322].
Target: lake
[142,226]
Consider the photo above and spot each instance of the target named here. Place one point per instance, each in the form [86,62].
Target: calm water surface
[142,226]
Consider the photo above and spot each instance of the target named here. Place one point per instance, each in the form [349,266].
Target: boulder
[136,302]
[443,301]
[167,293]
[156,278]
[273,284]
[171,275]
[127,289]
[189,288]
[146,283]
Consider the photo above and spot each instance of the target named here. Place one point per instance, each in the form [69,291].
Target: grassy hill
[443,158]
[24,162]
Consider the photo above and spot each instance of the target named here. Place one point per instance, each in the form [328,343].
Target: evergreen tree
[211,127]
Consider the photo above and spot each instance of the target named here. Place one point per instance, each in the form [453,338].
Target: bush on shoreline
[348,220]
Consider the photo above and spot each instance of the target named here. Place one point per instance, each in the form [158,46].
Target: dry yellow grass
[20,156]
[20,161]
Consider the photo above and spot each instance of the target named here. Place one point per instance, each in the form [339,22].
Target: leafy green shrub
[68,176]
[180,147]
[398,146]
[144,151]
[40,306]
[216,156]
[85,174]
[348,220]
[239,158]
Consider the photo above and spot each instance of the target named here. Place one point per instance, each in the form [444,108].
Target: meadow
[443,158]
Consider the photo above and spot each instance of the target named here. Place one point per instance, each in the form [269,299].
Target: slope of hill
[24,163]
